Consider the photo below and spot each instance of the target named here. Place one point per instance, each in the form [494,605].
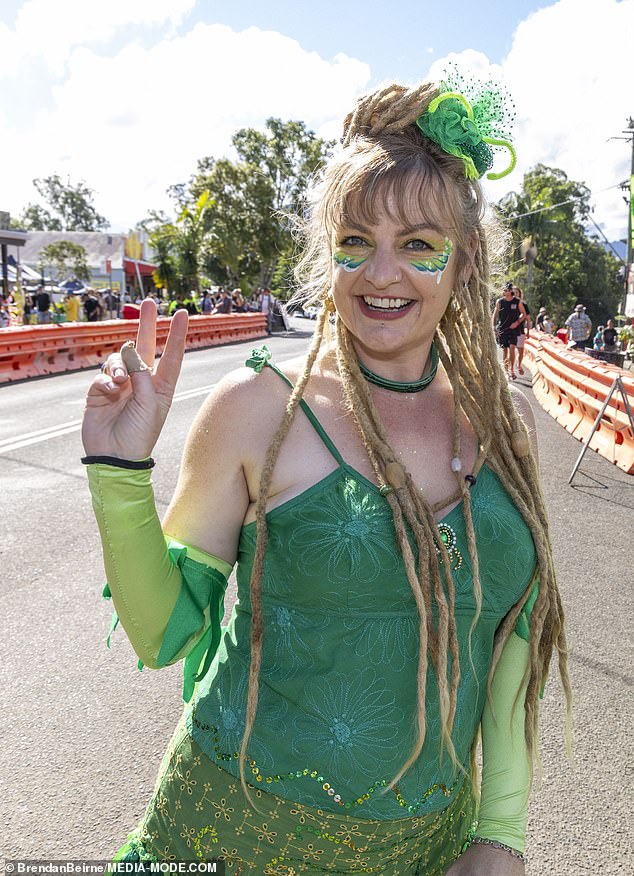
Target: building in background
[121,262]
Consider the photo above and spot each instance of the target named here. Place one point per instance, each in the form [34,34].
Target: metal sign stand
[618,384]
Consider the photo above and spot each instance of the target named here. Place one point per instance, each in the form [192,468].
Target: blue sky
[396,46]
[127,95]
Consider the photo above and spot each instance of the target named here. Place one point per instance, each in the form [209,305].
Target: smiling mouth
[387,305]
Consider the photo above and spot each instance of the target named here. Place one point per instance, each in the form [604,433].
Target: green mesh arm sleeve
[506,768]
[523,623]
[169,598]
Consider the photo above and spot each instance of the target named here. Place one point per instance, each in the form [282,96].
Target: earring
[329,304]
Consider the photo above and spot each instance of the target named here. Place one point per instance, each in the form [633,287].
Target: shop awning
[133,268]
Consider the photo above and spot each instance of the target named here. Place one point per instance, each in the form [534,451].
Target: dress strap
[260,358]
[312,418]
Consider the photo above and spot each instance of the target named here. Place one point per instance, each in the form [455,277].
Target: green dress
[337,695]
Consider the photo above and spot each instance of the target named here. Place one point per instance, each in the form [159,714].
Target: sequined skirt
[199,811]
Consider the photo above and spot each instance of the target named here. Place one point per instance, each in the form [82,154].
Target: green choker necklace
[397,385]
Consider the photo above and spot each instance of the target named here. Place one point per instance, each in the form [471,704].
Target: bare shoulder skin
[226,449]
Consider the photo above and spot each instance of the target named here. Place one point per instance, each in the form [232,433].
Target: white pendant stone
[456,465]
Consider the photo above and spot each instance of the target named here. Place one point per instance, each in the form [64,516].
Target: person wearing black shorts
[508,315]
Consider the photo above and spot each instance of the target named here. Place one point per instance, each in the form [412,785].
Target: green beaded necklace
[407,386]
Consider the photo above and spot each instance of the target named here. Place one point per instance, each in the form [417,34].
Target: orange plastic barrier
[572,388]
[31,351]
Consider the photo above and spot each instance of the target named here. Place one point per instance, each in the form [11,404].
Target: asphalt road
[83,731]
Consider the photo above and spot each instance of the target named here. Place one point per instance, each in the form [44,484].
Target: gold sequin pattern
[199,811]
[412,807]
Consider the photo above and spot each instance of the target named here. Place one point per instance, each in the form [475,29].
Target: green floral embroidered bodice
[337,694]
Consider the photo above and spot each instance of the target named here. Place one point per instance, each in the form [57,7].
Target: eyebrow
[401,232]
[420,227]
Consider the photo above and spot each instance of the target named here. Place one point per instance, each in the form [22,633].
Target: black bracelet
[135,464]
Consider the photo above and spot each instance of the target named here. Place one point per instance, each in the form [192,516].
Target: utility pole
[629,186]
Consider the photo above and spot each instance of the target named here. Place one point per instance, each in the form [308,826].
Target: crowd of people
[39,307]
[512,323]
[512,320]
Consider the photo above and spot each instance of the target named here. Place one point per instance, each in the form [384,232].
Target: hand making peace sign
[127,404]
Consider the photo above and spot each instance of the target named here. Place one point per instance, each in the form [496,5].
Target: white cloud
[569,70]
[48,31]
[132,124]
[128,102]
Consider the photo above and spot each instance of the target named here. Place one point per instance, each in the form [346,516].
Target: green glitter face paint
[348,262]
[435,263]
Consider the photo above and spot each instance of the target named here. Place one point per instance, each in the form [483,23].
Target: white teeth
[385,303]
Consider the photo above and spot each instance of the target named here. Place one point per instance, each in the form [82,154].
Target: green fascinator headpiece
[468,119]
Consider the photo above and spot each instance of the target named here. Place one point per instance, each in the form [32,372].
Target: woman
[395,581]
[524,328]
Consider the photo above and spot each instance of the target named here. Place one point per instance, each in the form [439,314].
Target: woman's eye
[352,240]
[418,245]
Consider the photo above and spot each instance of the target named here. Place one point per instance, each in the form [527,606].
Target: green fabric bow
[449,121]
[258,358]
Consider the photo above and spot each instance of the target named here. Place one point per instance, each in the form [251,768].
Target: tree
[163,242]
[69,207]
[189,240]
[247,231]
[178,247]
[67,258]
[569,267]
[239,232]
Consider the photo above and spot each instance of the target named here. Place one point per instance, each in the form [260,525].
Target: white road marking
[7,445]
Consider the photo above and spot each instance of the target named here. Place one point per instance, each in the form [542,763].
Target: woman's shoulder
[253,392]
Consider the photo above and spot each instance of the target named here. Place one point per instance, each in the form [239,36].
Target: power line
[620,258]
[562,203]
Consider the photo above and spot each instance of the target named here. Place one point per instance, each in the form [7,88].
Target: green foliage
[240,235]
[248,231]
[163,240]
[178,247]
[549,215]
[69,207]
[283,283]
[190,227]
[66,258]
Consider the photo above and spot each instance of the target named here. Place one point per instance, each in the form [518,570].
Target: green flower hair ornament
[451,122]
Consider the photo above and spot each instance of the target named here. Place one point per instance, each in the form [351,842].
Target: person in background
[206,303]
[267,300]
[579,327]
[225,305]
[548,325]
[27,309]
[91,307]
[599,341]
[610,335]
[43,303]
[539,322]
[380,494]
[508,315]
[71,305]
[239,304]
[189,303]
[524,329]
[5,316]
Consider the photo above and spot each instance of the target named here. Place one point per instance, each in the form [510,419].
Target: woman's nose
[382,270]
